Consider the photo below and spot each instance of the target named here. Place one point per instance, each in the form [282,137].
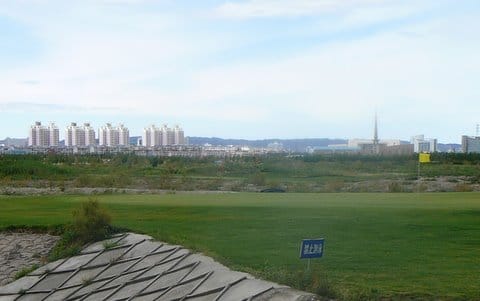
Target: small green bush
[395,187]
[91,222]
[463,187]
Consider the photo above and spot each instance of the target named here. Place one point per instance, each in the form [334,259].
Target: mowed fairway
[423,245]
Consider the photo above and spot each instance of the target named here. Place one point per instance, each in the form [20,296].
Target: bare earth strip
[22,250]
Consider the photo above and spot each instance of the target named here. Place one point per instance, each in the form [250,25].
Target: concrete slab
[89,288]
[61,294]
[21,284]
[84,276]
[169,279]
[116,268]
[132,238]
[212,296]
[50,267]
[183,289]
[129,290]
[285,294]
[142,249]
[245,289]
[75,262]
[150,296]
[108,256]
[51,281]
[99,295]
[100,245]
[8,297]
[32,297]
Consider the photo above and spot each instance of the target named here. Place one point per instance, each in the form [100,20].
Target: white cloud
[285,8]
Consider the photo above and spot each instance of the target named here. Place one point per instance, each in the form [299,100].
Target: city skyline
[75,134]
[249,69]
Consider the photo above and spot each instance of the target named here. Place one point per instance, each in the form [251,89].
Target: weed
[26,271]
[87,281]
[107,245]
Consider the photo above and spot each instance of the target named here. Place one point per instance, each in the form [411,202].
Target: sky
[251,69]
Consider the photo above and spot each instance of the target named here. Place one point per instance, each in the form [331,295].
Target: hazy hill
[298,145]
[14,142]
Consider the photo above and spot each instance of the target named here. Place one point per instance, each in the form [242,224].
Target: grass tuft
[25,271]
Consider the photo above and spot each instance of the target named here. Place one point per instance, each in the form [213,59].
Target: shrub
[463,187]
[395,187]
[67,246]
[91,222]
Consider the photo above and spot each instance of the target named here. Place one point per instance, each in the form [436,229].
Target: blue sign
[312,248]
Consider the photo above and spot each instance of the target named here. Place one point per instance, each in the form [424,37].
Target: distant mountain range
[297,145]
[18,142]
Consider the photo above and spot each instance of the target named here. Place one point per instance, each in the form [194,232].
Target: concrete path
[134,267]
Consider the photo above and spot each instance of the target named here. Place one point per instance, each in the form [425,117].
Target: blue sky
[243,69]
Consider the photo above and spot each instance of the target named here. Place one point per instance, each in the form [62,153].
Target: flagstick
[418,176]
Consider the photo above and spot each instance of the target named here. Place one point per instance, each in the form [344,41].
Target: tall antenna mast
[478,129]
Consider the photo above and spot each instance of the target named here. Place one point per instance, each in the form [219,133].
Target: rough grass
[400,246]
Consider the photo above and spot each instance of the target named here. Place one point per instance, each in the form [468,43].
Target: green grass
[390,245]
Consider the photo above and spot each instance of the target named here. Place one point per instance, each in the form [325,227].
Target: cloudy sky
[243,69]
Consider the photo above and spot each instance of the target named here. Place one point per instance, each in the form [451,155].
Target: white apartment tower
[113,136]
[74,135]
[37,135]
[42,136]
[108,135]
[89,134]
[152,136]
[53,134]
[179,135]
[123,135]
[168,136]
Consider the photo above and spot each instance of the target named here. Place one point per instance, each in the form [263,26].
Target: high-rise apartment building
[154,136]
[167,135]
[53,134]
[89,134]
[37,135]
[42,136]
[123,135]
[76,135]
[179,135]
[113,136]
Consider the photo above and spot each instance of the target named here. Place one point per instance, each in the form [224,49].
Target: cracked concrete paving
[135,267]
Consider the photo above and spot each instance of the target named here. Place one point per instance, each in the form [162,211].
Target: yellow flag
[424,158]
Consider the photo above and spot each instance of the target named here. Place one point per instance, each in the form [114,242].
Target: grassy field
[425,246]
